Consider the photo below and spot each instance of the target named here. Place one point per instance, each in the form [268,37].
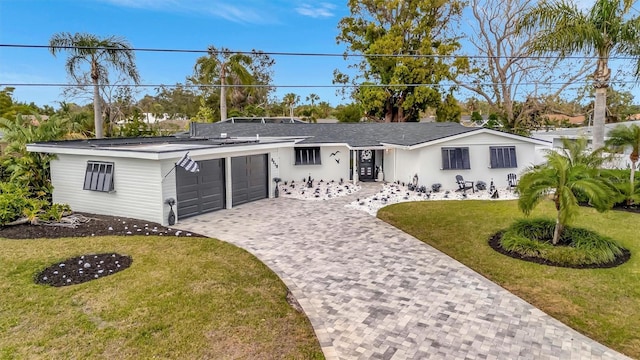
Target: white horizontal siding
[138,192]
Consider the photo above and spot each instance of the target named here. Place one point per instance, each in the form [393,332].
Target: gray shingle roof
[354,134]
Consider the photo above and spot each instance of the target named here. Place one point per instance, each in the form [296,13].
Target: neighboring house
[555,138]
[134,177]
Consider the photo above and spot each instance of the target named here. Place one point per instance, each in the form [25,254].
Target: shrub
[13,200]
[577,246]
[481,185]
[55,212]
[436,187]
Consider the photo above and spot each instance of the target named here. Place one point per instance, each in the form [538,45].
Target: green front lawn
[182,298]
[603,304]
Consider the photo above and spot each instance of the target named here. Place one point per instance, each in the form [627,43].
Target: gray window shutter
[445,159]
[465,158]
[493,152]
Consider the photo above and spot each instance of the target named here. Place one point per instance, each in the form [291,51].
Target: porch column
[228,187]
[355,167]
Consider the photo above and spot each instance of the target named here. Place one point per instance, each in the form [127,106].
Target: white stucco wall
[427,161]
[329,170]
[138,191]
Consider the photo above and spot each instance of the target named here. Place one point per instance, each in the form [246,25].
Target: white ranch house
[134,177]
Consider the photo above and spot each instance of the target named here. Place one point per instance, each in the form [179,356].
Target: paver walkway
[372,291]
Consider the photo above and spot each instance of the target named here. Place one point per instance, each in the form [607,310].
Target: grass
[188,298]
[603,304]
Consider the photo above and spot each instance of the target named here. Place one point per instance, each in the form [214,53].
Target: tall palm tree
[604,31]
[99,54]
[291,100]
[565,174]
[627,136]
[225,68]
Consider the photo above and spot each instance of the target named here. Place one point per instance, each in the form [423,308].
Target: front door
[366,165]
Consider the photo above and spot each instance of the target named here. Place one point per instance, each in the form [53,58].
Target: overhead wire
[305,54]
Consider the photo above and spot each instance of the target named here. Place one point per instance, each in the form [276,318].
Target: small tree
[565,175]
[622,137]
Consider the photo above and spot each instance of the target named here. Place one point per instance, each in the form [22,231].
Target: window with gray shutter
[503,157]
[455,158]
[98,176]
[308,156]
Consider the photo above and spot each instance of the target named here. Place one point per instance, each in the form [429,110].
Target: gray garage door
[200,192]
[249,178]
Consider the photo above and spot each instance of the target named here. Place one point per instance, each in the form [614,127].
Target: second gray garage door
[249,178]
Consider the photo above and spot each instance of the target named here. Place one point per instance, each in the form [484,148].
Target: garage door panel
[249,178]
[200,192]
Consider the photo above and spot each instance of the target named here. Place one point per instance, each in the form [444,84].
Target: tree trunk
[223,94]
[632,179]
[557,231]
[97,110]
[599,116]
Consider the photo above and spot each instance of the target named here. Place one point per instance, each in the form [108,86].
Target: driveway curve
[372,291]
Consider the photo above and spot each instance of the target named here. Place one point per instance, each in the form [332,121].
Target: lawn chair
[464,185]
[512,180]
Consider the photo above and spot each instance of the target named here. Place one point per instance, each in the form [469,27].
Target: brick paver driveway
[372,291]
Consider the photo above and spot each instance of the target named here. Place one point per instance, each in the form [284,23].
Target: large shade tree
[605,30]
[406,46]
[90,56]
[623,136]
[566,174]
[502,69]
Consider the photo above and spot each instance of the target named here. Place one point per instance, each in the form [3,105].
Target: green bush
[13,200]
[577,246]
[55,212]
[16,202]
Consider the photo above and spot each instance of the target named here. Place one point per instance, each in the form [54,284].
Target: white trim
[476,132]
[124,152]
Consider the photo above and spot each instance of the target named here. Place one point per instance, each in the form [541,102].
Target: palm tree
[291,100]
[627,136]
[565,174]
[225,68]
[100,54]
[605,30]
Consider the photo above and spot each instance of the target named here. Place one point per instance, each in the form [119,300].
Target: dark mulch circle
[494,242]
[83,268]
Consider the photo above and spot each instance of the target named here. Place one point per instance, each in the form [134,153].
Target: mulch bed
[98,225]
[494,242]
[83,268]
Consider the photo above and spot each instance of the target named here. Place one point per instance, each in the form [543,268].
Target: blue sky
[304,26]
[270,26]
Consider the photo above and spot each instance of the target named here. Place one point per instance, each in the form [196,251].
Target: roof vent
[223,135]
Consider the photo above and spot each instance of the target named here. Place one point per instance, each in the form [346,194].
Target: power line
[311,54]
[587,81]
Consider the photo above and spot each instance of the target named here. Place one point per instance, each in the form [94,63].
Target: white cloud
[322,10]
[219,9]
